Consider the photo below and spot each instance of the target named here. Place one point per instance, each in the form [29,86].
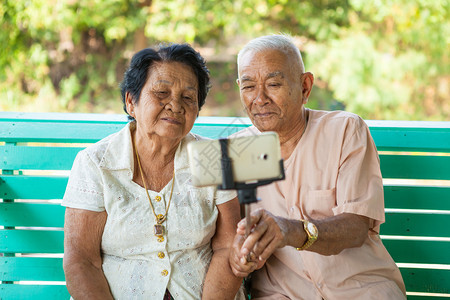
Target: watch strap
[310,238]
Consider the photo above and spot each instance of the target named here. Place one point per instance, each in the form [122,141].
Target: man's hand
[267,234]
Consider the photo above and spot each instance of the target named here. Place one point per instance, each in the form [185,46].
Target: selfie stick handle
[247,196]
[227,171]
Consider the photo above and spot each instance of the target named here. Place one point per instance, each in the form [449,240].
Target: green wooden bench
[37,151]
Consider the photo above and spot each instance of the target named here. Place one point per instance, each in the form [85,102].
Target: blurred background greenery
[382,59]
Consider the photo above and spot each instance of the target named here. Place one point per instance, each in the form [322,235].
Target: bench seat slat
[426,280]
[31,241]
[37,158]
[31,214]
[411,139]
[33,292]
[56,132]
[415,167]
[413,224]
[388,135]
[419,251]
[61,158]
[417,197]
[31,269]
[216,132]
[91,132]
[32,187]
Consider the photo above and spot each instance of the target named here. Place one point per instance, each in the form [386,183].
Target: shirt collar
[119,152]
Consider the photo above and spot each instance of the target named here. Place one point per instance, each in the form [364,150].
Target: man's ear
[238,82]
[307,84]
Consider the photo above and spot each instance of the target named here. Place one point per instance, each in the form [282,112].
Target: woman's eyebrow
[163,81]
[170,83]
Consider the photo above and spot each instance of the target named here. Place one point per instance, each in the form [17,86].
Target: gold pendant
[158,230]
[160,218]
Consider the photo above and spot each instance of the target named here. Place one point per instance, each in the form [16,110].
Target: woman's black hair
[136,74]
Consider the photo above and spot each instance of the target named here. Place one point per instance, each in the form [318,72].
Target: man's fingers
[272,239]
[253,238]
[254,219]
[269,250]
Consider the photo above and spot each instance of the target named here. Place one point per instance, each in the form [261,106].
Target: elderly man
[315,234]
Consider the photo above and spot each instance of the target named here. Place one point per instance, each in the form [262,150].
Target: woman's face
[168,104]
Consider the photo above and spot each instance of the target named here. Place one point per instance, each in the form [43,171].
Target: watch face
[312,229]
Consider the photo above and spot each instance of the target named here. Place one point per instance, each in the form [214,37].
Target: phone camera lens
[263,156]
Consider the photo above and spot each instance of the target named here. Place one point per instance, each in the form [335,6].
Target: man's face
[271,90]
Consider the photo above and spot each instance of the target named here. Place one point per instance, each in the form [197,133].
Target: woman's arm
[220,282]
[82,261]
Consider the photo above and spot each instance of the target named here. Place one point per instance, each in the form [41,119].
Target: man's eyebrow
[275,74]
[270,75]
[246,78]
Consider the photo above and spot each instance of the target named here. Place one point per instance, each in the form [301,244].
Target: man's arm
[270,232]
[82,261]
[220,282]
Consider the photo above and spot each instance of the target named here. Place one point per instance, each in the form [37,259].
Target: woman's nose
[175,104]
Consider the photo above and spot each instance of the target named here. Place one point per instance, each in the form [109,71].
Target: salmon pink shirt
[334,169]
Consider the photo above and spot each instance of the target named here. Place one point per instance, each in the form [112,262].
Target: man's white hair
[280,42]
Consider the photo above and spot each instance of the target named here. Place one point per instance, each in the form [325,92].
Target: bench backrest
[37,152]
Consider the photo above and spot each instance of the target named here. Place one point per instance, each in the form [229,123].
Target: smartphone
[253,158]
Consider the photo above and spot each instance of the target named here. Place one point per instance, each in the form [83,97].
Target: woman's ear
[129,103]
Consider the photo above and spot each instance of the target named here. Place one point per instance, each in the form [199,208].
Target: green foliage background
[382,59]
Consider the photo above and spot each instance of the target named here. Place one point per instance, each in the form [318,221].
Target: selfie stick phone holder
[246,191]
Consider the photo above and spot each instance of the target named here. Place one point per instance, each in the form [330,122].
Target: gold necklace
[158,228]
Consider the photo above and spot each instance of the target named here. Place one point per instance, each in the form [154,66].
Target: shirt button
[158,198]
[161,255]
[160,239]
[164,273]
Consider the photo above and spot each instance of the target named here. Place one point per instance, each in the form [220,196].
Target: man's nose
[261,97]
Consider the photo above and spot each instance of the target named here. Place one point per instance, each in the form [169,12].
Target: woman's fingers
[240,266]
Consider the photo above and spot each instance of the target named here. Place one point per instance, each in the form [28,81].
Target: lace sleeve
[85,187]
[222,196]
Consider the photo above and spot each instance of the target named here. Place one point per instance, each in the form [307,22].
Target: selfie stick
[246,191]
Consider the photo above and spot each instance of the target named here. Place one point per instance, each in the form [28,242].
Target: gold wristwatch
[312,232]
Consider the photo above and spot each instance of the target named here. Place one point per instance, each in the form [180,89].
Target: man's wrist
[312,234]
[296,236]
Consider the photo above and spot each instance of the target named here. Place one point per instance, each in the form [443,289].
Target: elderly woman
[135,227]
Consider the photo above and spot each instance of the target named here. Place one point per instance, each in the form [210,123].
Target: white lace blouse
[136,263]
